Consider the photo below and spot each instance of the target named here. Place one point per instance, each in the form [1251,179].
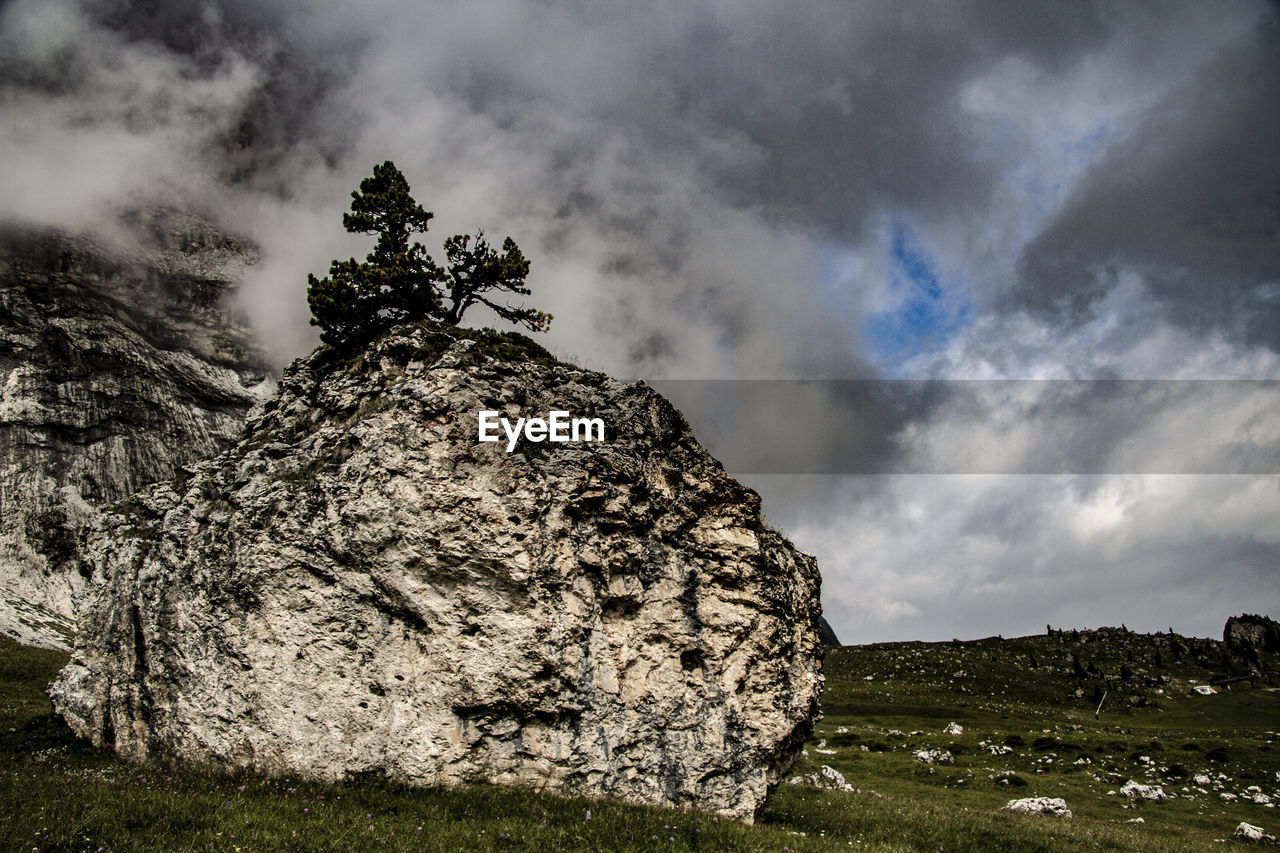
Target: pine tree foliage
[398,282]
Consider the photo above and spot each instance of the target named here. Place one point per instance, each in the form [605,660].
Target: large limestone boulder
[360,585]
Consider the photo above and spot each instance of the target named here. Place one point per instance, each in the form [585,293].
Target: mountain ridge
[122,361]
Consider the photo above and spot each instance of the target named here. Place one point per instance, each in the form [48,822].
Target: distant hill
[1067,667]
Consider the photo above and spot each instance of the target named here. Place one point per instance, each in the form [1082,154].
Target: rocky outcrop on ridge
[1251,633]
[360,586]
[117,367]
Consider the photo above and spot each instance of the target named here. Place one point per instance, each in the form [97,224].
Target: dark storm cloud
[1190,201]
[1089,427]
[833,123]
[290,113]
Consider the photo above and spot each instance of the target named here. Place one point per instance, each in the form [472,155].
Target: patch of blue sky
[1044,187]
[838,272]
[1041,193]
[929,312]
[1080,150]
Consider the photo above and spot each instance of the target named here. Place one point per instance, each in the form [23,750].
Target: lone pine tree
[398,282]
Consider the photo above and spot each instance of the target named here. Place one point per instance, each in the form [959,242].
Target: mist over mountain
[122,366]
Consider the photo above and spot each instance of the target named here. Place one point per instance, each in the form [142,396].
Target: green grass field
[1026,707]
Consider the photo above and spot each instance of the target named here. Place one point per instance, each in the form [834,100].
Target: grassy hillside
[1026,708]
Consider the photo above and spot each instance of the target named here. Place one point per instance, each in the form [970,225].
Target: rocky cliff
[1251,634]
[117,367]
[360,586]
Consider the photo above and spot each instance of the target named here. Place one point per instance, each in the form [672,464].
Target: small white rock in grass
[934,756]
[843,730]
[1136,820]
[826,777]
[1249,832]
[1052,806]
[825,751]
[1228,796]
[1137,791]
[953,729]
[1262,799]
[1202,779]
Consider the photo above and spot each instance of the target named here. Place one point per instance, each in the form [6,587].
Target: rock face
[116,369]
[361,586]
[828,634]
[1252,634]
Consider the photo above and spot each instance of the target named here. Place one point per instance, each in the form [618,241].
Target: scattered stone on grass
[1249,832]
[1136,791]
[1051,806]
[826,777]
[934,756]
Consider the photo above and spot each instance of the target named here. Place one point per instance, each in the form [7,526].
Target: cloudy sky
[1065,216]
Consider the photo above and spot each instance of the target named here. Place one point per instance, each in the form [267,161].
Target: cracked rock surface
[360,586]
[117,367]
